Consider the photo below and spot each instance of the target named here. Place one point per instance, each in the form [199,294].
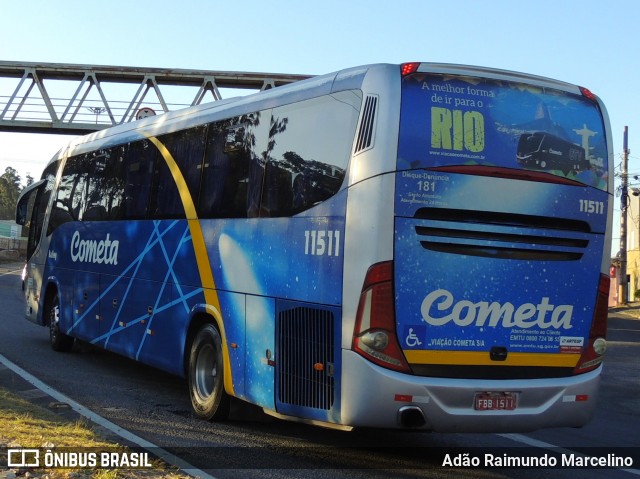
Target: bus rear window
[463,121]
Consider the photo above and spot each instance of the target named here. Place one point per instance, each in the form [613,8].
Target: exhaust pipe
[411,417]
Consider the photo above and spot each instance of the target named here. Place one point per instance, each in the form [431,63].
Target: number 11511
[590,206]
[322,242]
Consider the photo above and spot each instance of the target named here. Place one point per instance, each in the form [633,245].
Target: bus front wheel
[206,375]
[59,341]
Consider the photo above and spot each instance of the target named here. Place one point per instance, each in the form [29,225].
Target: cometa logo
[93,251]
[439,308]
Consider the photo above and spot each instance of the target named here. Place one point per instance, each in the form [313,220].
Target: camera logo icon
[23,458]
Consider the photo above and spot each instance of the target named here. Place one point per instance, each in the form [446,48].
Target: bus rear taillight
[597,345]
[588,94]
[409,68]
[374,336]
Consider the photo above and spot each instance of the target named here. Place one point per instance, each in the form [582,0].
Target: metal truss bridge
[78,99]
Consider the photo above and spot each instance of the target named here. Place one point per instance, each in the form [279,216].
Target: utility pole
[623,291]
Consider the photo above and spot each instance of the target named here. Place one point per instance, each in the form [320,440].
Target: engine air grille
[502,235]
[306,357]
[365,134]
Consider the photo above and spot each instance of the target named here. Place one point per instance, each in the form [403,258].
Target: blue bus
[420,246]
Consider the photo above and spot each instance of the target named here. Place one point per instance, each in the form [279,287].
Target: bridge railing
[76,99]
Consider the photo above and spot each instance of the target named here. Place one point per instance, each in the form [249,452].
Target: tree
[10,189]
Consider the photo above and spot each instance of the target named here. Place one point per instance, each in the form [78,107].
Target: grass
[26,425]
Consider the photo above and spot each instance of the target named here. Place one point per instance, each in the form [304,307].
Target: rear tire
[206,376]
[59,341]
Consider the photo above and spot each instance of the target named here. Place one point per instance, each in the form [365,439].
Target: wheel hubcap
[206,371]
[54,320]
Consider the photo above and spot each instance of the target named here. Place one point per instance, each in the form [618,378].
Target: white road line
[166,456]
[545,445]
[11,272]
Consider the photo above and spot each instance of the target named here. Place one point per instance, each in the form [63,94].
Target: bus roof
[200,114]
[350,78]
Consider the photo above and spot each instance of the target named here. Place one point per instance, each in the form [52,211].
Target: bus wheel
[59,341]
[206,375]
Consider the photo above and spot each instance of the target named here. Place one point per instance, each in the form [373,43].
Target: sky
[592,43]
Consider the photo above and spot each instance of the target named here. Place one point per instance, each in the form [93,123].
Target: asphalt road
[155,406]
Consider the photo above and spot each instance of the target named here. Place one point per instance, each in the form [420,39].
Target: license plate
[495,401]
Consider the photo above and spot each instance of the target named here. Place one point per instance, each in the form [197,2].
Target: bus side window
[36,221]
[187,150]
[112,187]
[309,148]
[69,200]
[94,210]
[49,174]
[231,180]
[140,157]
[217,195]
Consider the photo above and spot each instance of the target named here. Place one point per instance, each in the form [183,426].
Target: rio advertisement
[484,260]
[453,120]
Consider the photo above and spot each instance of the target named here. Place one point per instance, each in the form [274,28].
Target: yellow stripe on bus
[481,358]
[202,257]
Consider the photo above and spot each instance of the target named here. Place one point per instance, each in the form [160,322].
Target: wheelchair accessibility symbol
[412,336]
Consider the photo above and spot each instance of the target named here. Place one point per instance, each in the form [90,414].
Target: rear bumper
[375,397]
